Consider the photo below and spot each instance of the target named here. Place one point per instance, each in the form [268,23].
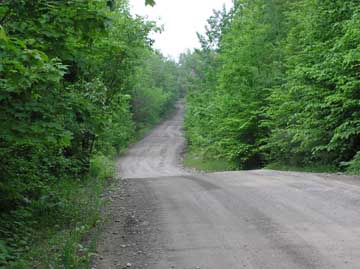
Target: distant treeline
[278,81]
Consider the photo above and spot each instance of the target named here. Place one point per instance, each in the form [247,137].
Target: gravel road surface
[164,216]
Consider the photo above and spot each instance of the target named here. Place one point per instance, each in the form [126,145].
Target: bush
[101,167]
[353,167]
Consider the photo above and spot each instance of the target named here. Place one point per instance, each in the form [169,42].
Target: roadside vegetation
[79,81]
[276,84]
[199,161]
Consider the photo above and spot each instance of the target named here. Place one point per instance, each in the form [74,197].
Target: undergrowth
[195,158]
[309,168]
[54,232]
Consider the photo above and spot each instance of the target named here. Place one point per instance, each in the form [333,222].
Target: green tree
[72,75]
[249,64]
[315,115]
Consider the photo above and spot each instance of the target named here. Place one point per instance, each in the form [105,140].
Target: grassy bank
[195,158]
[309,169]
[60,231]
[350,168]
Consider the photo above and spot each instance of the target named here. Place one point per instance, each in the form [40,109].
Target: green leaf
[150,2]
[3,35]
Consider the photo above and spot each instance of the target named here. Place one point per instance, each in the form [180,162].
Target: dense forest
[276,83]
[79,81]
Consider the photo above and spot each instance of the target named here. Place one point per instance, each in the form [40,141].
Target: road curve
[158,154]
[248,219]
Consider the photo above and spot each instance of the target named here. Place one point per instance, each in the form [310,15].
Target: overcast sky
[181,20]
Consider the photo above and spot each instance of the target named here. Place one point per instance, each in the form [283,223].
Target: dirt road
[172,218]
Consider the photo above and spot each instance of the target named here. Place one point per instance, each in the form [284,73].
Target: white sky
[181,20]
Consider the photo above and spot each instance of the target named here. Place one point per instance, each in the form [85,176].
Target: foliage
[282,86]
[321,90]
[246,67]
[72,74]
[155,90]
[101,167]
[195,159]
[353,167]
[70,212]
